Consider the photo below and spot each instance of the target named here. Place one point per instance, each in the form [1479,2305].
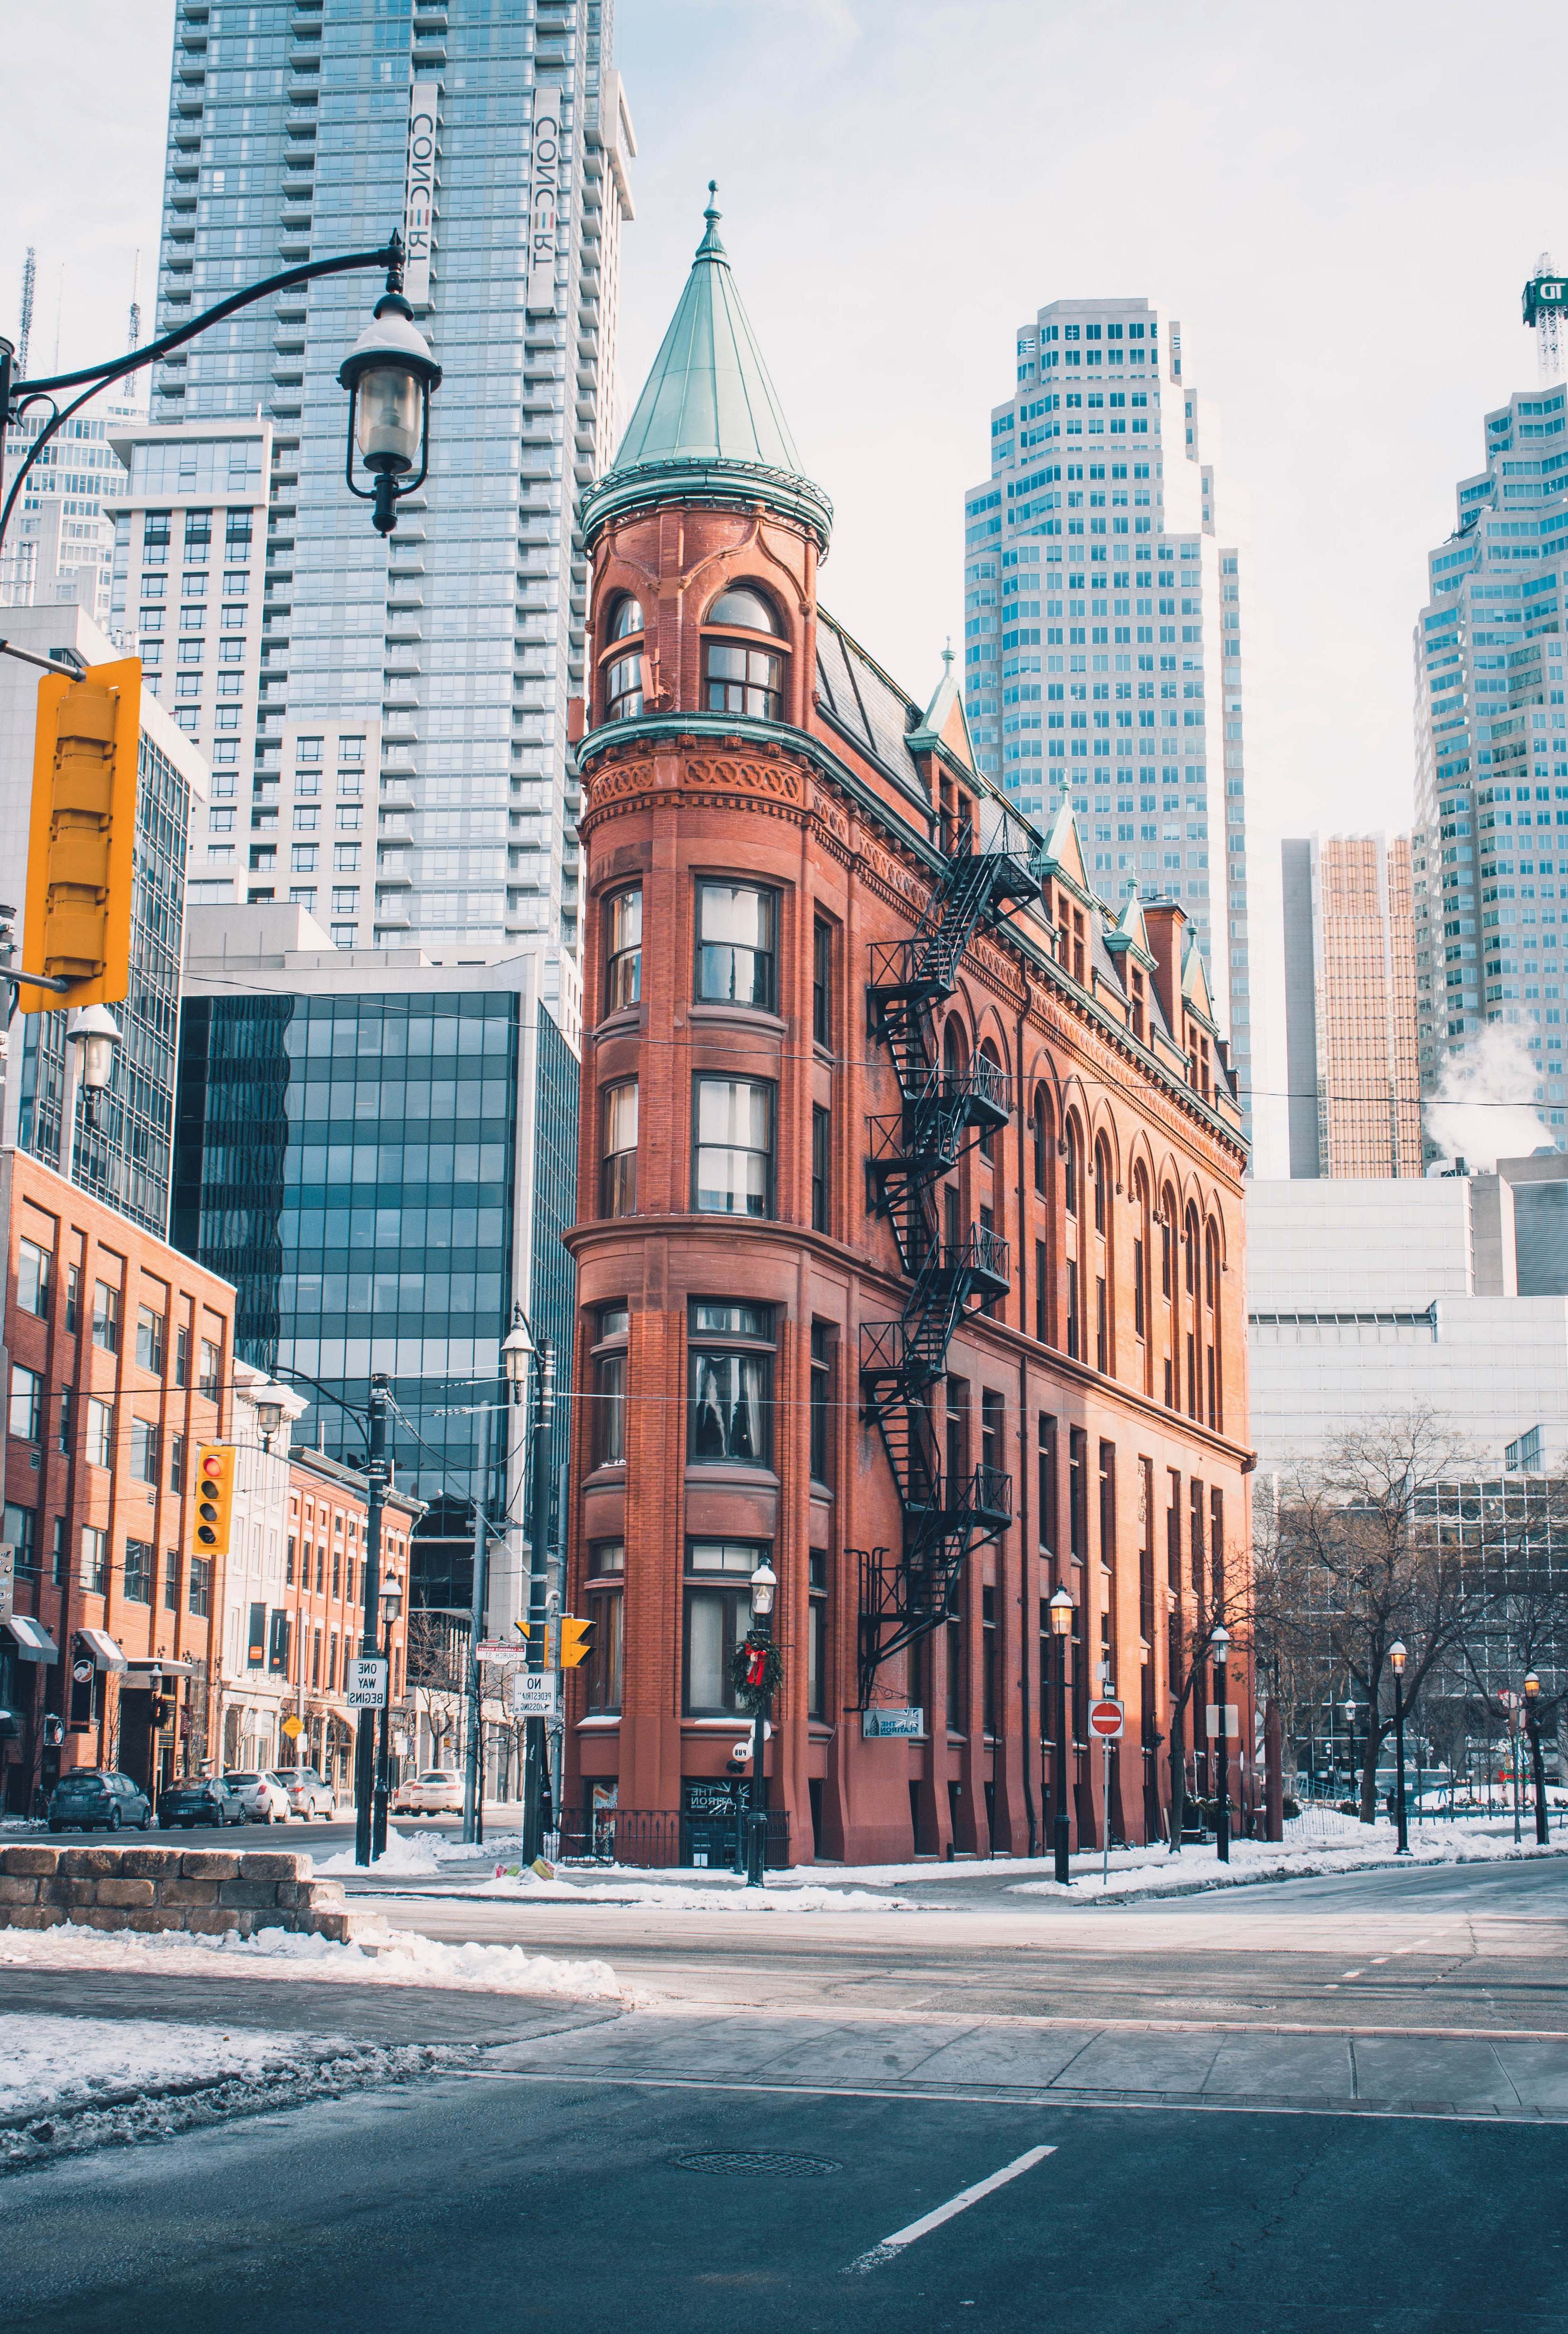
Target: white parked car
[264,1797]
[438,1792]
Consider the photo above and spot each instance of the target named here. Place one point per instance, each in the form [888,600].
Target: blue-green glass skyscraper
[495,132]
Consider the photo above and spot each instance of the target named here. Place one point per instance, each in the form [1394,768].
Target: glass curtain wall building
[60,543]
[124,1156]
[497,136]
[384,1171]
[1491,866]
[1102,636]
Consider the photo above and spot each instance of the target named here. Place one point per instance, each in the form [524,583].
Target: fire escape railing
[905,1594]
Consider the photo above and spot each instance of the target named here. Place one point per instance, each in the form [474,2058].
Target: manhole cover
[747,2163]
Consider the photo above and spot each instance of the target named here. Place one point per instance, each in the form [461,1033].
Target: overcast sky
[1340,204]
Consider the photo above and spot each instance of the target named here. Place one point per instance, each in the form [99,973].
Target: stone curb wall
[199,1892]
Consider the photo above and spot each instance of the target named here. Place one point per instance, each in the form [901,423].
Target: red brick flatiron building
[909,1228]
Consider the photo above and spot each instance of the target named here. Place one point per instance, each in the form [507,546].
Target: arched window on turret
[740,674]
[622,663]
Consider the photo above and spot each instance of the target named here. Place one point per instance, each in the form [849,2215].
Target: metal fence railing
[661,1839]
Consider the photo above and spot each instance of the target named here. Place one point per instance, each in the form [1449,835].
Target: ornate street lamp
[1063,1613]
[764,1581]
[1397,1663]
[388,375]
[1219,1650]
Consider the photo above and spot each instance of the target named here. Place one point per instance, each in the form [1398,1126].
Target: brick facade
[107,1547]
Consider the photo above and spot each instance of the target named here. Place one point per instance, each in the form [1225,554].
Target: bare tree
[1368,1562]
[436,1670]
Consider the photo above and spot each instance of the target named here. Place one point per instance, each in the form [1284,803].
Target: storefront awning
[106,1654]
[142,1664]
[33,1642]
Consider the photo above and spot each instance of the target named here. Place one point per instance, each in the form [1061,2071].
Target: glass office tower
[496,133]
[1491,866]
[1103,635]
[381,1173]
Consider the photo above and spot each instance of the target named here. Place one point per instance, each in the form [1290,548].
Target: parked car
[265,1796]
[308,1795]
[192,1799]
[98,1799]
[437,1793]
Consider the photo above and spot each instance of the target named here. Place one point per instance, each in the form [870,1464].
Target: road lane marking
[1344,1973]
[891,2247]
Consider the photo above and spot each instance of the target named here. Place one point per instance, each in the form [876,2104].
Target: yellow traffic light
[82,837]
[213,1498]
[576,1641]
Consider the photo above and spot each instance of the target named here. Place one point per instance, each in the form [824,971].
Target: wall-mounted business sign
[891,1721]
[419,192]
[544,199]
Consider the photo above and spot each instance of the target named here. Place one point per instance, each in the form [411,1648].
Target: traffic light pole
[371,1790]
[533,1740]
[474,1764]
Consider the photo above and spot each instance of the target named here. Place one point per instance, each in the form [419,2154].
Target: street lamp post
[1062,1611]
[1220,1650]
[518,1350]
[389,375]
[1396,1660]
[1537,1768]
[764,1581]
[1350,1709]
[391,1602]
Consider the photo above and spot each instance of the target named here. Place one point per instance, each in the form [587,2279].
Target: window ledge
[626,1021]
[734,1472]
[748,1016]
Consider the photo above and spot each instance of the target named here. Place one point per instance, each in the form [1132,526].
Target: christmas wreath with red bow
[756,1671]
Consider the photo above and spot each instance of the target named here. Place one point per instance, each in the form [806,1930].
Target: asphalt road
[1326,2105]
[483,2203]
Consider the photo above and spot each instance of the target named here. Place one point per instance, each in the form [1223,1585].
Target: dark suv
[192,1799]
[97,1798]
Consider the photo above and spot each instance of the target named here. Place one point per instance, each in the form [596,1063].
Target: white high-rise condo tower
[1102,637]
[447,659]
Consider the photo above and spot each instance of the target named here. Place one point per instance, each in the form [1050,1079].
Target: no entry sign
[1107,1719]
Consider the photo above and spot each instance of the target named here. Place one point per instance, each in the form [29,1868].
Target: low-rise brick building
[119,1366]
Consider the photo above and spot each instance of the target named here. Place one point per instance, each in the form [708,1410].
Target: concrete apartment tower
[1350,968]
[1102,639]
[1491,846]
[299,128]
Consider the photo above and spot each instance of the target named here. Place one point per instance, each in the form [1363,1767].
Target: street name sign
[1107,1720]
[534,1694]
[366,1682]
[1232,1716]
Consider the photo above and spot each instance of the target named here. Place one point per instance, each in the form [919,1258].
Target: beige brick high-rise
[1350,1006]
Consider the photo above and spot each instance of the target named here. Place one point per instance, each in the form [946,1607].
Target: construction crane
[1545,299]
[135,327]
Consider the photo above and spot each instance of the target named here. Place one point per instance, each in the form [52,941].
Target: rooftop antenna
[135,335]
[29,287]
[1545,298]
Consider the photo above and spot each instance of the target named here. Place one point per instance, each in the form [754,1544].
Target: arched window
[1191,1282]
[738,678]
[623,686]
[1070,1175]
[952,1048]
[1211,1270]
[1041,1131]
[1101,1188]
[991,1062]
[1140,1291]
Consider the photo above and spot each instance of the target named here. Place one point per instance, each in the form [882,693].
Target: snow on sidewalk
[1333,1844]
[408,1959]
[673,1897]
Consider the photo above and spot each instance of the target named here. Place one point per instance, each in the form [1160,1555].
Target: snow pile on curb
[1360,1847]
[675,1898]
[403,1859]
[67,2085]
[407,1959]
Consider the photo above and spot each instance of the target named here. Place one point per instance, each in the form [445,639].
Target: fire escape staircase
[904,1597]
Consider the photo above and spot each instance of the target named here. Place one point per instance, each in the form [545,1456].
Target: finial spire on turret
[710,248]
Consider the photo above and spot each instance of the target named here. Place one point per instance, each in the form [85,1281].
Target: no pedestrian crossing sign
[1107,1719]
[367,1683]
[534,1694]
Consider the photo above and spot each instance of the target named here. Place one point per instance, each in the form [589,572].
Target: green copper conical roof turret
[709,422]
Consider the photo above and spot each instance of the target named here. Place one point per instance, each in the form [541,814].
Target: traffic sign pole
[1108,1718]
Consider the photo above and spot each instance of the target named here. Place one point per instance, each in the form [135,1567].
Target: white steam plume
[1480,1113]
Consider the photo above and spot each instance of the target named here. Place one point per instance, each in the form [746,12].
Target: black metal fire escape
[903,1598]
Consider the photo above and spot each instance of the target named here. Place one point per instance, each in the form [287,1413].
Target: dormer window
[1136,1010]
[738,678]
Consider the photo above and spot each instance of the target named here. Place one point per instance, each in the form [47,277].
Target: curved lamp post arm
[23,393]
[304,1378]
